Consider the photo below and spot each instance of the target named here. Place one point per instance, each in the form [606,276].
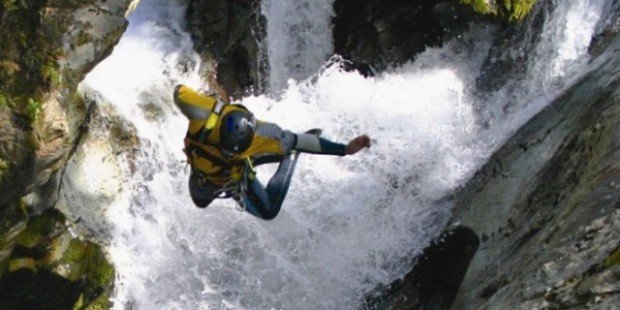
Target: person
[224,142]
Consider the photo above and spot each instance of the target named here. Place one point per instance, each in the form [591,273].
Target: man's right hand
[357,144]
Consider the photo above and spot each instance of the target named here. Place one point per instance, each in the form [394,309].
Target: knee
[270,215]
[201,203]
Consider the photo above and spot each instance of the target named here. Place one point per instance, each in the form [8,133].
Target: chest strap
[203,133]
[214,116]
[192,148]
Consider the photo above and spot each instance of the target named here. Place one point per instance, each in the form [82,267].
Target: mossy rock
[508,10]
[55,269]
[613,259]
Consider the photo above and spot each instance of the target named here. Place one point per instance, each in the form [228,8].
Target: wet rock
[227,33]
[93,177]
[384,33]
[606,30]
[63,40]
[453,16]
[552,206]
[506,63]
[436,275]
[52,45]
[509,11]
[51,269]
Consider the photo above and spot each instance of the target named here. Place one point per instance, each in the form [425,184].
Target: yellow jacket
[201,145]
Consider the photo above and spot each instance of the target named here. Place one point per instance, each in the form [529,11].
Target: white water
[299,38]
[348,223]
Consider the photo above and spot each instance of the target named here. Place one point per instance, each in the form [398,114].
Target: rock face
[93,177]
[371,34]
[435,279]
[46,50]
[227,32]
[52,269]
[380,33]
[505,63]
[547,206]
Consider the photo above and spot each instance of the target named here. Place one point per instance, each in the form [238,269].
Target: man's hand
[357,144]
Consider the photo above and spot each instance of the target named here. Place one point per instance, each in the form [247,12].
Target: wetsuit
[214,175]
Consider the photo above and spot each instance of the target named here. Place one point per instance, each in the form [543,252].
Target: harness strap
[214,116]
[191,148]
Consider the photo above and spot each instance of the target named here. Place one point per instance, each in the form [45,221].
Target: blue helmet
[236,132]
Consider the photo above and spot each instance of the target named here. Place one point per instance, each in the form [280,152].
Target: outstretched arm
[310,143]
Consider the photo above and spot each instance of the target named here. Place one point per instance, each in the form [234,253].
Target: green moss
[29,57]
[4,167]
[613,259]
[101,303]
[50,253]
[22,263]
[33,108]
[28,239]
[516,10]
[10,5]
[508,10]
[85,261]
[51,73]
[480,6]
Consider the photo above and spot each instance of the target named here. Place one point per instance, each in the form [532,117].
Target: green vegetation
[509,10]
[10,5]
[516,10]
[4,166]
[33,108]
[3,100]
[51,267]
[613,259]
[28,59]
[480,6]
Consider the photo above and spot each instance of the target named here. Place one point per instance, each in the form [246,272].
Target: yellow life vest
[204,155]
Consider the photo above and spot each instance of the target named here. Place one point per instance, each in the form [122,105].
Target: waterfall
[298,38]
[348,223]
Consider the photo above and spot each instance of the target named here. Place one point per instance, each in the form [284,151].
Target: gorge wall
[46,50]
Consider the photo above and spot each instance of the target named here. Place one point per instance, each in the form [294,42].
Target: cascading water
[347,223]
[299,38]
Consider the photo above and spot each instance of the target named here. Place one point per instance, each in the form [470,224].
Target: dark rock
[227,32]
[607,30]
[384,33]
[505,62]
[25,289]
[436,275]
[50,269]
[453,16]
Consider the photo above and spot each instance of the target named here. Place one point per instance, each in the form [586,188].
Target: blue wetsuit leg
[267,202]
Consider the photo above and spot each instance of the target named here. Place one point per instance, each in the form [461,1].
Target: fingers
[365,141]
[357,144]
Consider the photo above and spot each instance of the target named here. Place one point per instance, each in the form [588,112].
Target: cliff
[46,50]
[545,207]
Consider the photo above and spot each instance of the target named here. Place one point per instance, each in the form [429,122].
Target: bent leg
[266,203]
